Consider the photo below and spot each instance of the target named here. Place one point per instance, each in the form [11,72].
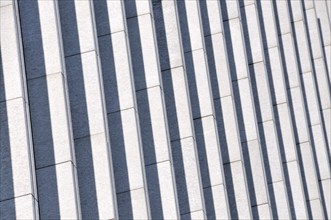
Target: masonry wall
[172,109]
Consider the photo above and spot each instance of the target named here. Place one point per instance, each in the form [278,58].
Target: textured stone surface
[210,160]
[10,55]
[19,208]
[116,72]
[240,205]
[144,56]
[218,66]
[56,183]
[126,152]
[150,109]
[174,82]
[189,187]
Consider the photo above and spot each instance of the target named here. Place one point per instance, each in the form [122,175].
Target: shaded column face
[150,109]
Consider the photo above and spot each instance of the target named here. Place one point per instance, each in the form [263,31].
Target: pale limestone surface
[140,109]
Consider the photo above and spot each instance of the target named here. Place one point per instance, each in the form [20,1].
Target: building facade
[165,109]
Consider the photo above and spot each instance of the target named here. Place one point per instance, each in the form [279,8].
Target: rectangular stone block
[296,10]
[143,52]
[126,150]
[321,152]
[189,188]
[24,207]
[167,31]
[316,209]
[197,215]
[246,3]
[190,23]
[153,124]
[255,173]
[95,177]
[57,192]
[212,18]
[308,171]
[245,110]
[239,58]
[313,30]
[132,204]
[323,86]
[116,72]
[284,127]
[267,16]
[227,130]
[261,211]
[297,193]
[252,36]
[327,124]
[161,188]
[283,17]
[327,50]
[6,2]
[10,65]
[177,103]
[239,200]
[326,185]
[311,98]
[49,117]
[328,5]
[218,65]
[276,75]
[280,196]
[109,15]
[299,115]
[322,14]
[199,85]
[50,37]
[32,39]
[77,27]
[137,8]
[292,71]
[230,10]
[208,151]
[261,89]
[16,156]
[271,152]
[216,202]
[85,94]
[302,45]
[308,4]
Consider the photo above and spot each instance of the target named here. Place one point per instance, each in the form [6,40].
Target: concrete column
[222,92]
[50,116]
[264,63]
[246,113]
[18,192]
[323,14]
[87,105]
[205,124]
